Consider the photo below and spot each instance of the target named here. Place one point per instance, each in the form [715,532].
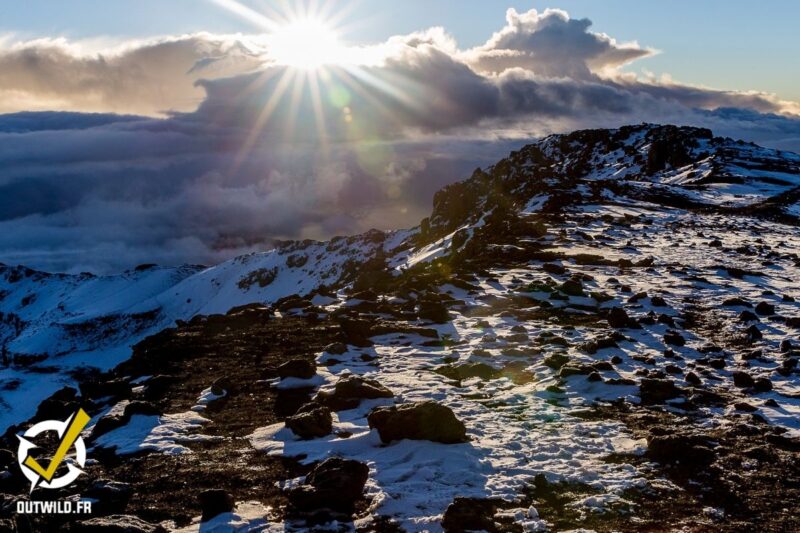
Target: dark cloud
[278,153]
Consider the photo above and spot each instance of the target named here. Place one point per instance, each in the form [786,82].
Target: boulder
[311,421]
[336,348]
[112,496]
[743,379]
[765,308]
[618,317]
[335,484]
[214,502]
[297,368]
[470,514]
[418,421]
[350,390]
[674,338]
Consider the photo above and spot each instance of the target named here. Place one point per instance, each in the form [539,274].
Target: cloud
[268,152]
[142,77]
[551,44]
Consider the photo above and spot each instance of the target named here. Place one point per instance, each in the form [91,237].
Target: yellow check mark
[72,433]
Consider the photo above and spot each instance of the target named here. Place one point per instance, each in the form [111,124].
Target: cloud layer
[239,150]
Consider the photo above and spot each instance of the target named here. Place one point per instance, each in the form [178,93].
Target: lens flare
[306,44]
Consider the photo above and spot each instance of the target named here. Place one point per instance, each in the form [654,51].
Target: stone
[335,484]
[426,420]
[618,317]
[470,514]
[336,348]
[214,502]
[743,379]
[673,338]
[765,308]
[116,524]
[350,390]
[311,421]
[653,391]
[297,368]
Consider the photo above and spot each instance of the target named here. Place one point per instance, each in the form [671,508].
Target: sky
[191,131]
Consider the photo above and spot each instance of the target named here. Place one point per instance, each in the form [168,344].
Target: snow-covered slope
[62,322]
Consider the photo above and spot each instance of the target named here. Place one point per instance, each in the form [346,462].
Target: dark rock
[311,421]
[221,386]
[214,502]
[736,301]
[418,421]
[571,287]
[350,390]
[470,514]
[554,268]
[674,338]
[746,407]
[157,386]
[556,360]
[658,301]
[753,333]
[297,368]
[336,348]
[786,346]
[653,391]
[335,484]
[765,308]
[357,332]
[693,379]
[468,370]
[137,407]
[743,379]
[618,317]
[436,312]
[748,316]
[762,385]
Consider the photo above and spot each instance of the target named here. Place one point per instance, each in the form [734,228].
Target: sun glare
[306,44]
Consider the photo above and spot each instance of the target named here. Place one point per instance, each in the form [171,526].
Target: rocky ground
[600,332]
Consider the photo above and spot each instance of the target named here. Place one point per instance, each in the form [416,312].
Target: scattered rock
[418,421]
[470,514]
[336,348]
[674,338]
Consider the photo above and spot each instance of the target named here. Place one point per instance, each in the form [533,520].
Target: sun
[306,44]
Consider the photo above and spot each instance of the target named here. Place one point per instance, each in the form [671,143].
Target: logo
[69,431]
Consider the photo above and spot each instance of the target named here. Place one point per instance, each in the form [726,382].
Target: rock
[116,388]
[7,458]
[653,391]
[336,348]
[137,407]
[618,317]
[746,407]
[765,308]
[221,386]
[736,301]
[335,484]
[786,346]
[658,301]
[356,332]
[157,386]
[311,421]
[350,390]
[468,370]
[753,333]
[470,514]
[214,502]
[297,368]
[436,312]
[556,360]
[748,316]
[554,268]
[674,338]
[743,379]
[418,421]
[762,385]
[571,287]
[693,379]
[116,524]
